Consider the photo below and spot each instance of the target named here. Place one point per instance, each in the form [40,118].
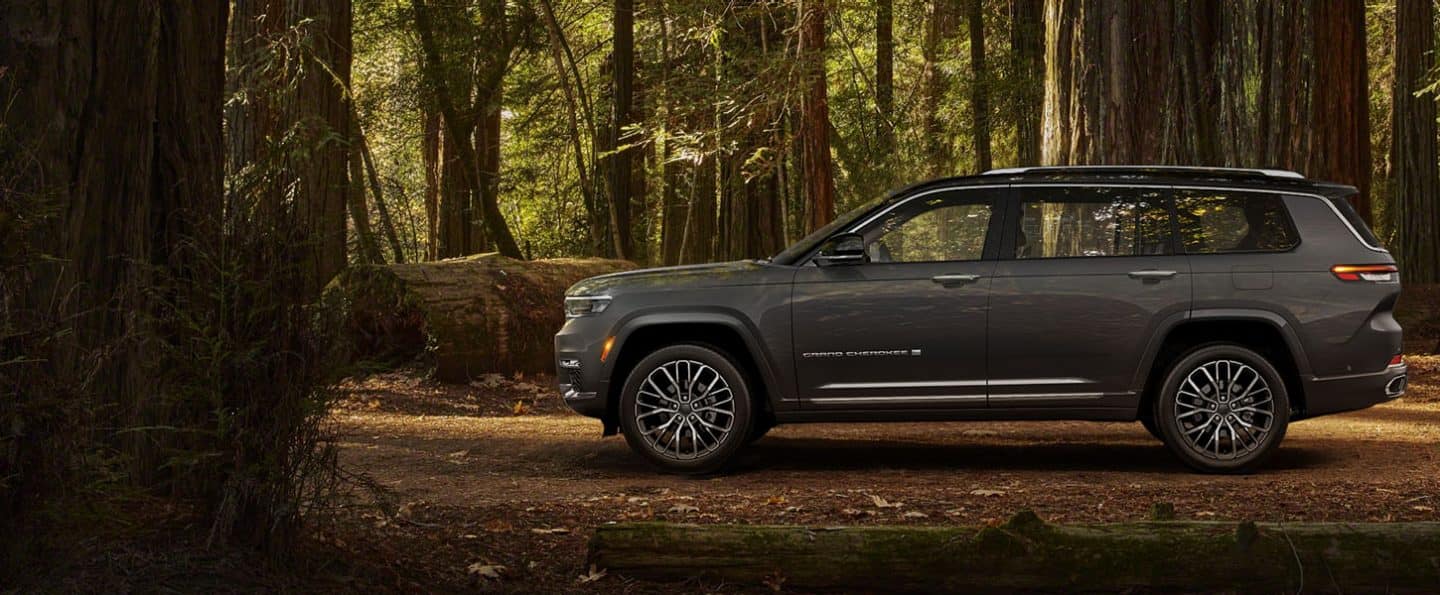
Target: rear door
[1086,277]
[905,330]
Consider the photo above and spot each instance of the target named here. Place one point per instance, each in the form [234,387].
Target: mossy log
[1027,553]
[473,315]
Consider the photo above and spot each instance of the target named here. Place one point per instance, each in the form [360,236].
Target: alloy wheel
[1224,409]
[684,409]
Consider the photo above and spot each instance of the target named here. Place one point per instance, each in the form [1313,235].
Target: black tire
[1200,414]
[725,445]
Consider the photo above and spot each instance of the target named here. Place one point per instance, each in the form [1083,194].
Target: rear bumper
[1348,393]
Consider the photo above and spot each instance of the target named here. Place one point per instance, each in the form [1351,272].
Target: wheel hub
[684,409]
[1224,409]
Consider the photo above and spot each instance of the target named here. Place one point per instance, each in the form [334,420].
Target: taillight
[1397,360]
[1374,273]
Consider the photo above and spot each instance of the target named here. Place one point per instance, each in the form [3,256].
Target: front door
[906,328]
[1086,277]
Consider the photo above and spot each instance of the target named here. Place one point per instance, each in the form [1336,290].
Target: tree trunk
[622,87]
[319,100]
[1027,57]
[387,224]
[939,27]
[431,158]
[355,202]
[1415,206]
[475,315]
[1283,131]
[885,74]
[459,128]
[1341,152]
[1027,554]
[563,60]
[1129,83]
[818,180]
[979,86]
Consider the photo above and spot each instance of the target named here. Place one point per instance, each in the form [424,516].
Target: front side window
[1222,221]
[1089,222]
[933,230]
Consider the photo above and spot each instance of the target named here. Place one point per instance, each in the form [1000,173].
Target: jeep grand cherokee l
[1215,306]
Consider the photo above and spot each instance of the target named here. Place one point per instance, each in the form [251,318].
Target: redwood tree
[1415,210]
[818,180]
[1340,112]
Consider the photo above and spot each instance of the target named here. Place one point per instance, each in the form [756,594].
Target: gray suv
[1215,306]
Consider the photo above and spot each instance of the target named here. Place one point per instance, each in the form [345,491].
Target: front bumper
[580,374]
[1348,393]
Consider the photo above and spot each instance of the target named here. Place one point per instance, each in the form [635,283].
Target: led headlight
[578,306]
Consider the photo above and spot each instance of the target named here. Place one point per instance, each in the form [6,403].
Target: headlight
[578,306]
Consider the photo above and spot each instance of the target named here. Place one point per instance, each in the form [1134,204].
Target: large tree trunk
[818,183]
[979,86]
[112,158]
[475,315]
[1129,83]
[1027,554]
[1027,69]
[622,88]
[431,157]
[1341,152]
[1283,130]
[1415,207]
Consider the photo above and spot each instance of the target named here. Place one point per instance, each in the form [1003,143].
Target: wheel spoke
[695,400]
[1215,425]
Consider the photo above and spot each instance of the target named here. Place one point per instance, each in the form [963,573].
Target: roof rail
[1270,173]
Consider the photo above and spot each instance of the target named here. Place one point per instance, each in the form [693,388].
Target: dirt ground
[501,486]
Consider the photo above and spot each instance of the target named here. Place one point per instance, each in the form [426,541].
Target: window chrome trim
[854,228]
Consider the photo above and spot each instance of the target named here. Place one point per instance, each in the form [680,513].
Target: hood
[720,273]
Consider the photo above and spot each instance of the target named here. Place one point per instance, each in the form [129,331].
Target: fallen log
[1027,553]
[471,316]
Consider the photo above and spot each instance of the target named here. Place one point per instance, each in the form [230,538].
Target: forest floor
[496,485]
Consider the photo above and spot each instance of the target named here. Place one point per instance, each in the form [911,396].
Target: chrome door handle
[1152,274]
[955,279]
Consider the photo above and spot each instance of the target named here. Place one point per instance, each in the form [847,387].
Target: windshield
[806,244]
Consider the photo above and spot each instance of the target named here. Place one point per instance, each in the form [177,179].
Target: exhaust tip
[1396,387]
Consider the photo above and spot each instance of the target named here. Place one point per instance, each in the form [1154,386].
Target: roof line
[1271,173]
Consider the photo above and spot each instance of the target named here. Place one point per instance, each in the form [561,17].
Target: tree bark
[1027,68]
[1027,554]
[1341,151]
[818,179]
[622,88]
[359,211]
[387,224]
[430,158]
[1415,204]
[885,74]
[979,86]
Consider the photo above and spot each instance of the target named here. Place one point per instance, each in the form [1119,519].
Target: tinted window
[1348,212]
[931,230]
[1077,222]
[1216,222]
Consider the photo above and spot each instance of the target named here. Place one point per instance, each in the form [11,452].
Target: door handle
[1152,274]
[955,279]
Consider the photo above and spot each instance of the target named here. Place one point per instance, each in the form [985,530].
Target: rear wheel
[1223,409]
[686,409]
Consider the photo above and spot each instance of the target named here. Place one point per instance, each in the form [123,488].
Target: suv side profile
[1215,306]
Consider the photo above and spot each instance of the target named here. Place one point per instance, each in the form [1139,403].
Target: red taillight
[1378,273]
[1397,360]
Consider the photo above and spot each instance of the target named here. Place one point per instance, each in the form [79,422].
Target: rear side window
[1219,222]
[1353,218]
[1089,222]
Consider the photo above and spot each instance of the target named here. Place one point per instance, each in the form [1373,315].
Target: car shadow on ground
[811,454]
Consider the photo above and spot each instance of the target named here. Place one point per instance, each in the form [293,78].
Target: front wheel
[686,409]
[1223,409]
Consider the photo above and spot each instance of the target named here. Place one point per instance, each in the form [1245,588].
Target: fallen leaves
[488,571]
[592,576]
[682,509]
[987,493]
[882,503]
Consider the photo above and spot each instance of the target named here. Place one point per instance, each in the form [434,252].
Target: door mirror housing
[845,248]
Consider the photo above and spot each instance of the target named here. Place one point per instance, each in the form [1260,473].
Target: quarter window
[1081,222]
[935,230]
[1221,222]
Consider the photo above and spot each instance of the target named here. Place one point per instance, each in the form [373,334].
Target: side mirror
[846,248]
